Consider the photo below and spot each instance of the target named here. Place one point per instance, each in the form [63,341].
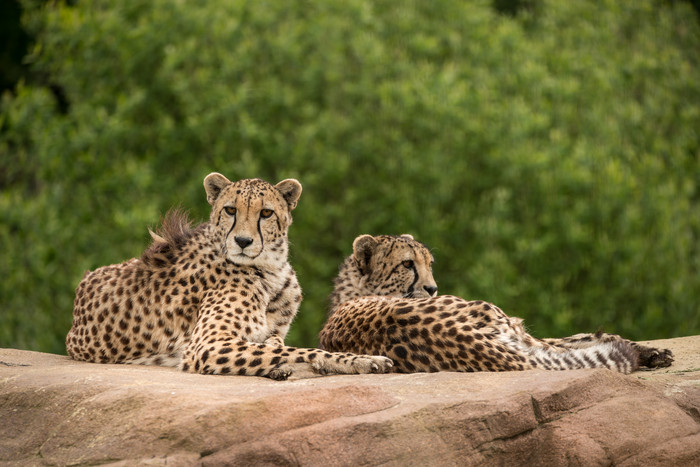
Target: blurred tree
[13,44]
[549,157]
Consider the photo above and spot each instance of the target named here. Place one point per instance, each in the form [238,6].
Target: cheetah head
[252,217]
[397,266]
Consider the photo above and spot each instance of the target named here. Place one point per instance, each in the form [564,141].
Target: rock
[55,411]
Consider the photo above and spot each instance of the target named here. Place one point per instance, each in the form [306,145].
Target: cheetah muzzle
[384,303]
[217,298]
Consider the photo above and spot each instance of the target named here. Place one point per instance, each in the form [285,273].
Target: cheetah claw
[386,365]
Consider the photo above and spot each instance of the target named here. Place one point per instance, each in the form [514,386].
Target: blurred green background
[547,151]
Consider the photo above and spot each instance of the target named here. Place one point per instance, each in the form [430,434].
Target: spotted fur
[215,299]
[378,307]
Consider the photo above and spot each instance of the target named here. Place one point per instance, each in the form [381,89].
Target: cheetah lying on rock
[215,299]
[385,302]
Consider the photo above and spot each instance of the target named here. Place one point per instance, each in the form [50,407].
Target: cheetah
[385,302]
[217,298]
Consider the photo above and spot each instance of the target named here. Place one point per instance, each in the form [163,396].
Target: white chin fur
[418,294]
[242,258]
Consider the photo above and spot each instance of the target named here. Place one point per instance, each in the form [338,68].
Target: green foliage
[550,157]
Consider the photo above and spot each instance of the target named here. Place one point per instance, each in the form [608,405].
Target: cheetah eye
[230,210]
[407,264]
[265,213]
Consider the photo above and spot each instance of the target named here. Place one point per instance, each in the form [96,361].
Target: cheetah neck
[349,284]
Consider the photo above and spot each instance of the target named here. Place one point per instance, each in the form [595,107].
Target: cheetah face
[395,266]
[252,218]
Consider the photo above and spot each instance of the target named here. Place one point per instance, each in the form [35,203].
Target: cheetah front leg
[240,357]
[222,343]
[321,363]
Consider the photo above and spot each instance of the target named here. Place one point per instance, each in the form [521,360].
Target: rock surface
[55,411]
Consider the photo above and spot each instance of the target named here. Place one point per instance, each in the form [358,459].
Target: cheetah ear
[291,191]
[214,183]
[407,236]
[362,249]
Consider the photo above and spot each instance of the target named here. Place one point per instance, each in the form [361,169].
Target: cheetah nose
[243,241]
[431,289]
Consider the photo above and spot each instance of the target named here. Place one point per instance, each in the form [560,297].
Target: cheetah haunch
[385,303]
[215,299]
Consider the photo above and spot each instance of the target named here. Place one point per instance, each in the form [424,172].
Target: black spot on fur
[400,351]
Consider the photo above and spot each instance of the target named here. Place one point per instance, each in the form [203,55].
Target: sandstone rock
[55,411]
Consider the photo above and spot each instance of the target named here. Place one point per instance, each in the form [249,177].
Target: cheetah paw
[372,364]
[280,373]
[275,341]
[359,364]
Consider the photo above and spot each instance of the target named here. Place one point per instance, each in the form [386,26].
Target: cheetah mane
[175,230]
